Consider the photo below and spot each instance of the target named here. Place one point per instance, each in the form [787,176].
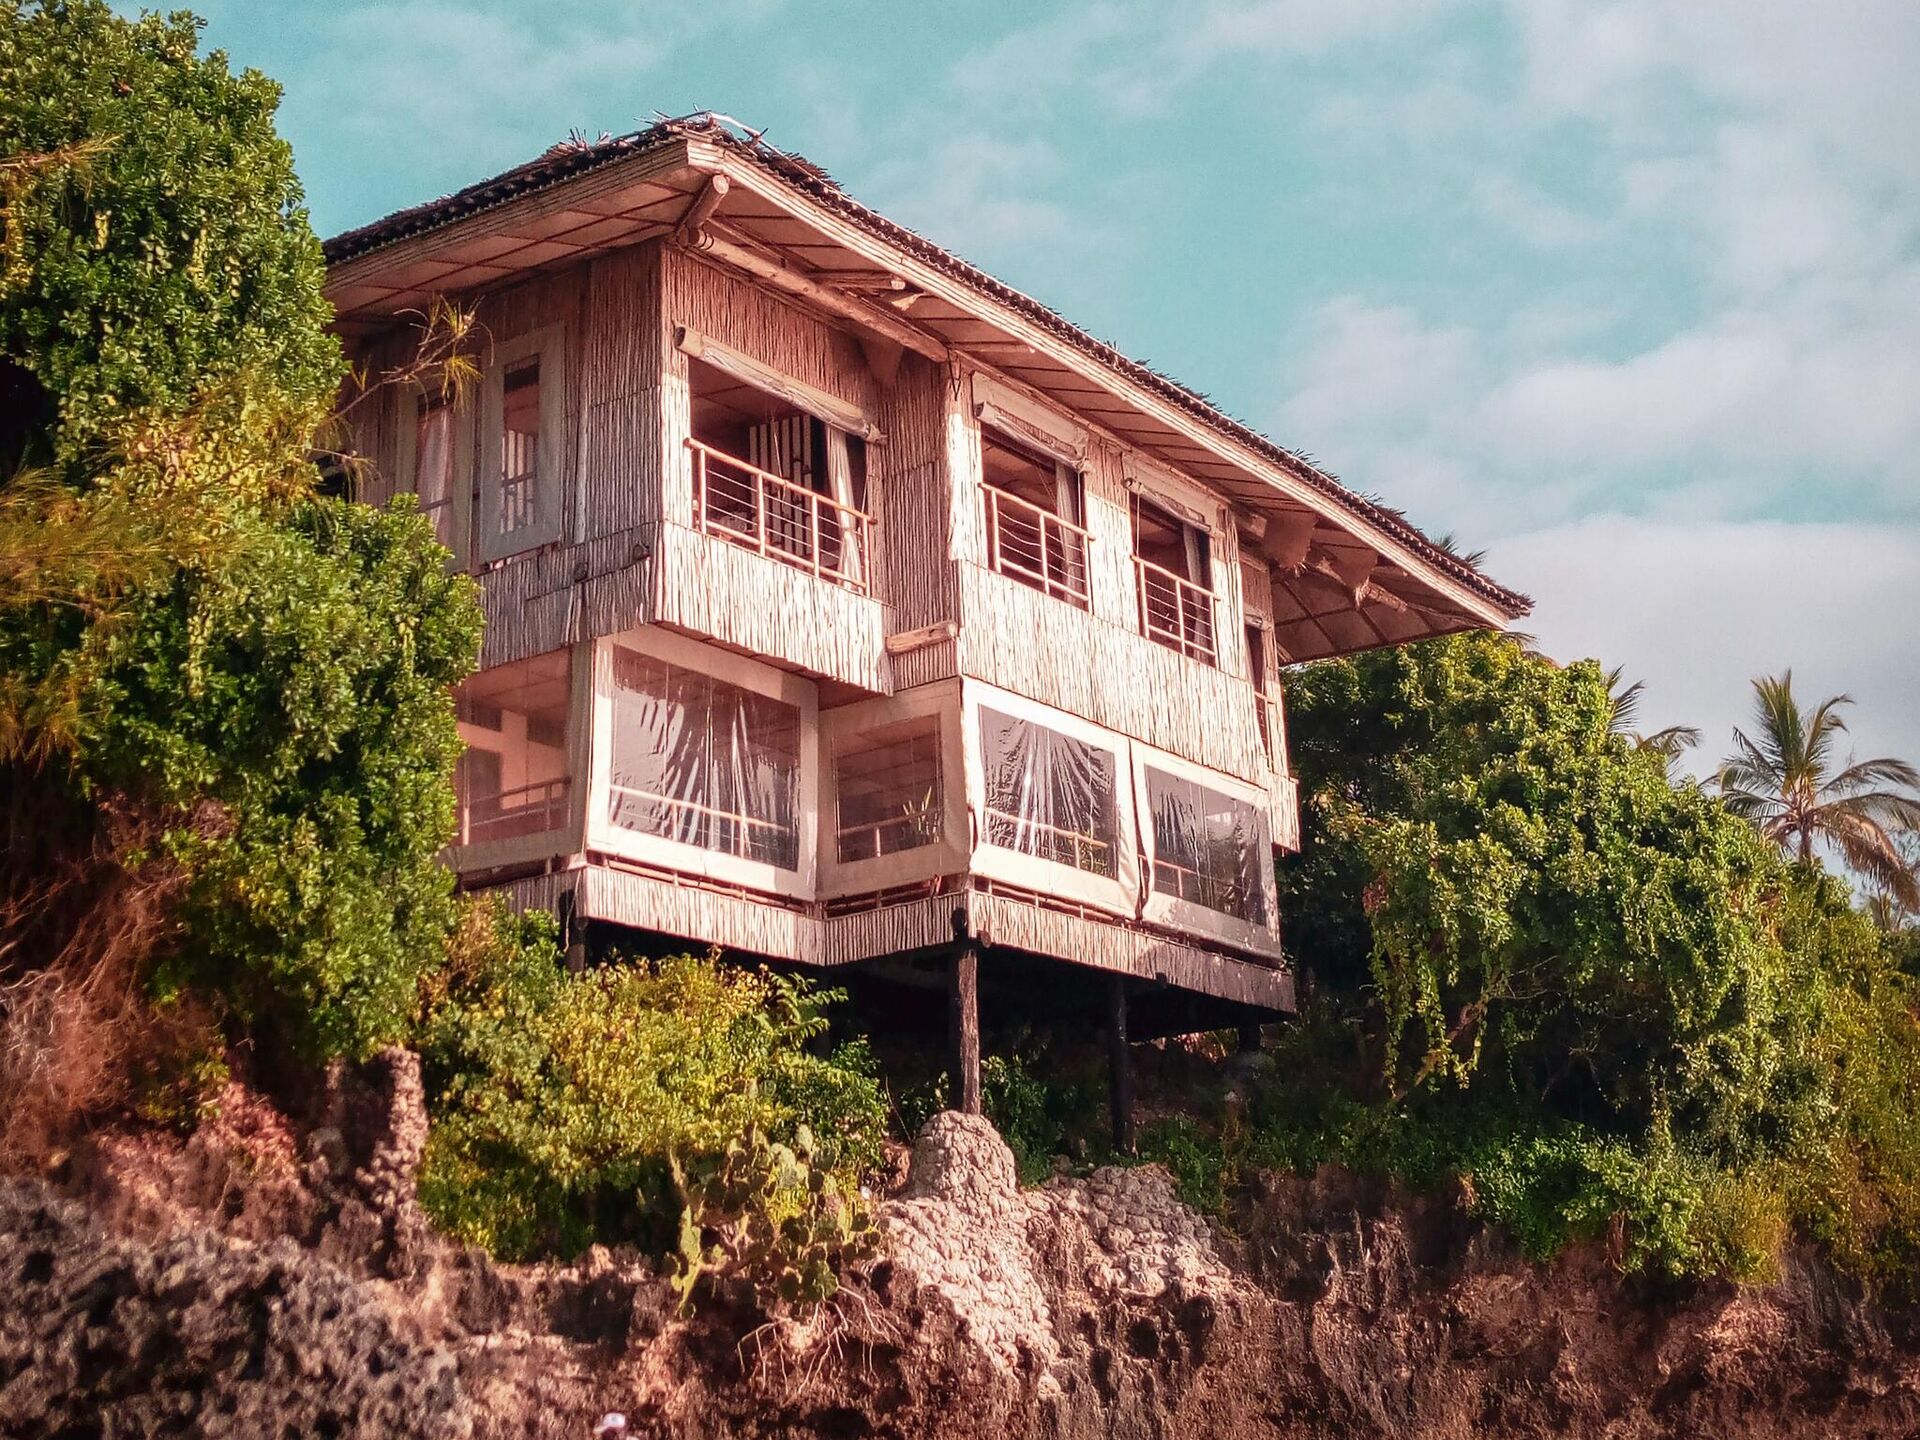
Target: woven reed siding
[915,925]
[1109,524]
[717,590]
[1033,645]
[1229,609]
[909,494]
[372,436]
[535,892]
[702,916]
[753,319]
[1285,804]
[1015,923]
[623,447]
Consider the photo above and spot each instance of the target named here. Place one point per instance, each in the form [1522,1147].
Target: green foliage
[1205,1167]
[187,635]
[166,249]
[558,1100]
[768,1215]
[302,688]
[1594,996]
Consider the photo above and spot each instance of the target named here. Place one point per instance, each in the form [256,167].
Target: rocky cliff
[272,1279]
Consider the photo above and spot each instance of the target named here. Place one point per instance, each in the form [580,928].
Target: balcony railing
[1176,612]
[1051,842]
[524,810]
[761,512]
[1036,547]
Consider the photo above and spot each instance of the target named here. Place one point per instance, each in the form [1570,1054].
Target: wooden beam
[963,1021]
[845,307]
[694,222]
[905,642]
[1119,1066]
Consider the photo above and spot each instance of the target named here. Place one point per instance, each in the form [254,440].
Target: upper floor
[719,397]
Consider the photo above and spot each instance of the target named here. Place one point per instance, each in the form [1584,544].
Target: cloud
[1698,610]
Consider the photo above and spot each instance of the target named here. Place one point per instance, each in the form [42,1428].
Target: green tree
[1788,779]
[165,252]
[226,733]
[1587,991]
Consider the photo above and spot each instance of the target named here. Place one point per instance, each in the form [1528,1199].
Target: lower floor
[903,929]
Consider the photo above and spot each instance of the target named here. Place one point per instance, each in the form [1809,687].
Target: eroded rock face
[200,1335]
[1090,1307]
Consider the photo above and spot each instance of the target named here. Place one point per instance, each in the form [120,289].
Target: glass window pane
[513,777]
[519,447]
[888,783]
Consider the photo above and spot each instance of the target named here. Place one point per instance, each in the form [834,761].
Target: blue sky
[1626,293]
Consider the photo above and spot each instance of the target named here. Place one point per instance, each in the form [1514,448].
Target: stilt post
[963,1020]
[1119,1066]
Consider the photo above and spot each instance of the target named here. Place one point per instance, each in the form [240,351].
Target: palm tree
[1785,781]
[1668,744]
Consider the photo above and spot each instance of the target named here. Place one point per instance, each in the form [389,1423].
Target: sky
[1625,294]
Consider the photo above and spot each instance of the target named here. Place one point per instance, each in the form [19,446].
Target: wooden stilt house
[846,606]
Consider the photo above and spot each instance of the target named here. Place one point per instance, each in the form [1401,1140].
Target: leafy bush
[768,1215]
[1204,1166]
[1597,998]
[559,1101]
[223,702]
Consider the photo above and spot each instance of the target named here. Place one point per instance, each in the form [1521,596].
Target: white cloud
[1698,610]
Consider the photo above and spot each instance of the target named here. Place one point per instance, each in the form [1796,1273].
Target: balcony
[1175,612]
[761,512]
[1036,547]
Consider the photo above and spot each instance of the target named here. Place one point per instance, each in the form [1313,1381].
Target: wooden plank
[1119,1066]
[963,1022]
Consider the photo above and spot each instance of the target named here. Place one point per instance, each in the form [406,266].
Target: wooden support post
[1250,1037]
[963,1020]
[1119,1066]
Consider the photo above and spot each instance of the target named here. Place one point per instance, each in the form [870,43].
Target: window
[1210,849]
[1049,795]
[512,779]
[777,480]
[521,445]
[1035,508]
[1173,565]
[889,786]
[433,463]
[519,449]
[704,763]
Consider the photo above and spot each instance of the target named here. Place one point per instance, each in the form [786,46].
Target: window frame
[546,346]
[1117,894]
[407,400]
[949,853]
[1171,911]
[685,858]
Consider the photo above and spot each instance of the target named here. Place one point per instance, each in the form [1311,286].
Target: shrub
[559,1102]
[767,1215]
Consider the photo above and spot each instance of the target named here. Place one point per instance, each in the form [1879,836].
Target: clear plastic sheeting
[704,763]
[1049,795]
[889,789]
[1210,849]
